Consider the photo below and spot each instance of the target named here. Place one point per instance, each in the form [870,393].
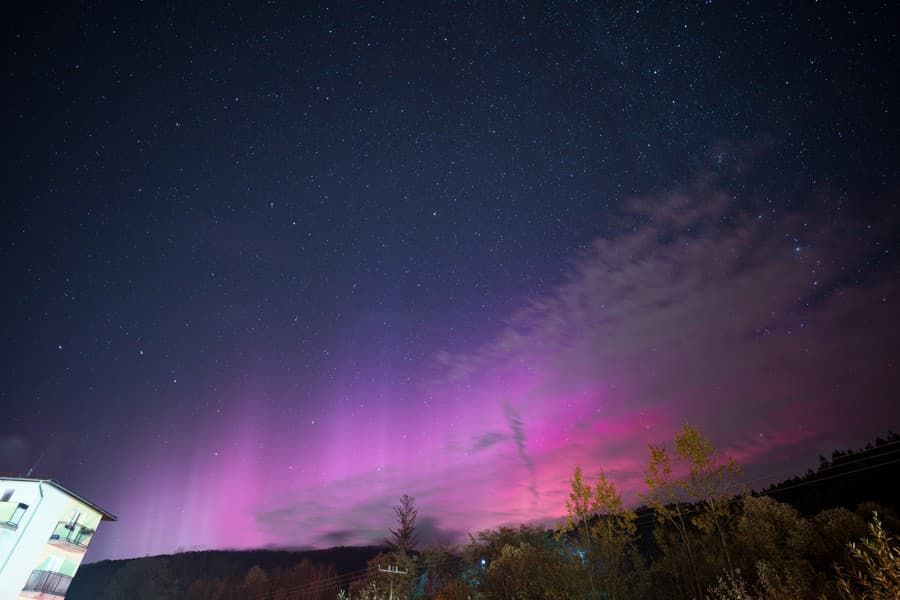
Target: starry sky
[268,266]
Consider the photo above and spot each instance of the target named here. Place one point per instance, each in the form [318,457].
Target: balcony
[71,536]
[46,582]
[11,514]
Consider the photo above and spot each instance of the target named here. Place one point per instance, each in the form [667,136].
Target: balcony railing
[48,582]
[11,513]
[75,534]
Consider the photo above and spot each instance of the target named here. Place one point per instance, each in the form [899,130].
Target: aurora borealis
[269,268]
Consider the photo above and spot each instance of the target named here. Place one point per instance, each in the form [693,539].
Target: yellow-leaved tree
[693,485]
[607,532]
[875,574]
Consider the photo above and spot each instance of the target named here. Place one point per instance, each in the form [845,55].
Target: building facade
[45,530]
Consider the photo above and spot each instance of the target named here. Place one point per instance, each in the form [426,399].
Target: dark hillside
[180,570]
[870,474]
[849,479]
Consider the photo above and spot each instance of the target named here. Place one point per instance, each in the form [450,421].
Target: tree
[439,566]
[773,540]
[256,583]
[521,544]
[507,576]
[526,572]
[366,592]
[606,529]
[710,481]
[206,588]
[404,538]
[698,475]
[454,590]
[876,575]
[664,499]
[730,586]
[580,507]
[833,530]
[306,580]
[144,578]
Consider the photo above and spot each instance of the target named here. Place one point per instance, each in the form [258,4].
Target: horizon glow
[637,339]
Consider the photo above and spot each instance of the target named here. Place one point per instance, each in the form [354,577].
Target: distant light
[483,562]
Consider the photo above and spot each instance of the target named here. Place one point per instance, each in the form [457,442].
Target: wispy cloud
[518,435]
[486,440]
[759,328]
[775,334]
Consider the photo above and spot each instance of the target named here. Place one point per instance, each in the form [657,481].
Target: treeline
[306,580]
[698,534]
[865,465]
[222,574]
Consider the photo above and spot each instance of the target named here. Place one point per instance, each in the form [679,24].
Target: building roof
[105,514]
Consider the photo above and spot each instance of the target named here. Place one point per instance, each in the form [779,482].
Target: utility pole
[391,570]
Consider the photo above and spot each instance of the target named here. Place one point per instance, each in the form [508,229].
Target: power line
[328,582]
[652,517]
[832,465]
[339,581]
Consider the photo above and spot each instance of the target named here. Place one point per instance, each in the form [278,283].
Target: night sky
[268,267]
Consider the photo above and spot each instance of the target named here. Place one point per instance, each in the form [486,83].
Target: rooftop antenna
[34,466]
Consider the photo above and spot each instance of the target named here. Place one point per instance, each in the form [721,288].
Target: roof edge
[105,514]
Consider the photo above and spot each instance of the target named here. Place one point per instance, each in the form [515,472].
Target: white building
[45,529]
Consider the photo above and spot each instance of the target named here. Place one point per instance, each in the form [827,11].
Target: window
[17,514]
[7,494]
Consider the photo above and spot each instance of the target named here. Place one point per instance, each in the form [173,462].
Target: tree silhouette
[404,538]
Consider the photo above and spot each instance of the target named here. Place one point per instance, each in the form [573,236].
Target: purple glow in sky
[269,267]
[753,331]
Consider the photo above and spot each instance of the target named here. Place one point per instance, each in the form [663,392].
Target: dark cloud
[486,440]
[308,515]
[430,532]
[518,435]
[337,537]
